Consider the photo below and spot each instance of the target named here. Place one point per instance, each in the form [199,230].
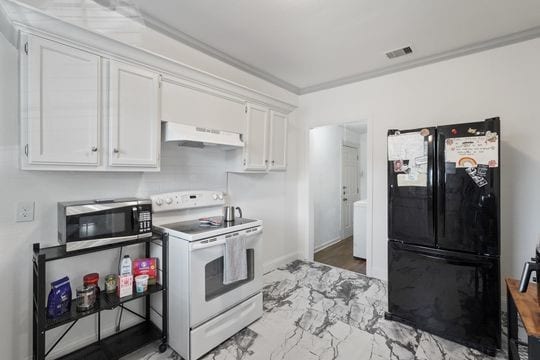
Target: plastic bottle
[125,266]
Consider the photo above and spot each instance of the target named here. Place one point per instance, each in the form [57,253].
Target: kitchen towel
[235,261]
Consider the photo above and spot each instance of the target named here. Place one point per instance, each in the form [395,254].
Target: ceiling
[308,45]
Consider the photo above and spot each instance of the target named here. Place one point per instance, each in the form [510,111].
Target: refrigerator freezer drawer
[453,295]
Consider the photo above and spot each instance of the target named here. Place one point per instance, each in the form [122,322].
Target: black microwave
[94,223]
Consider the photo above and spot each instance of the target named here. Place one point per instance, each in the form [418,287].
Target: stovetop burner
[194,227]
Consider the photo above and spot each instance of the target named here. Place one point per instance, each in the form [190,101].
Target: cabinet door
[192,104]
[63,104]
[256,142]
[134,116]
[278,141]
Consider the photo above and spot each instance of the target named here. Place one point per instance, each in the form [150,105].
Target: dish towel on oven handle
[235,259]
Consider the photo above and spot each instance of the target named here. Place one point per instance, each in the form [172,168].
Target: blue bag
[59,301]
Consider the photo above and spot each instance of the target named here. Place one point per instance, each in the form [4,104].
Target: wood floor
[341,255]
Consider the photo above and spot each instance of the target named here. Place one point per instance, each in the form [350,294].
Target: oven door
[209,296]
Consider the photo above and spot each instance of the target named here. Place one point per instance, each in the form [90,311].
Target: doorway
[338,164]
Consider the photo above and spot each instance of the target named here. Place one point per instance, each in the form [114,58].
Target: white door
[63,105]
[134,116]
[278,141]
[256,141]
[349,188]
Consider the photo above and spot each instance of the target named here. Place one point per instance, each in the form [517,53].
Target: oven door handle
[207,244]
[221,241]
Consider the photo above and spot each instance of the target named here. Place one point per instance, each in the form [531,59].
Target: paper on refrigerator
[409,149]
[405,146]
[471,151]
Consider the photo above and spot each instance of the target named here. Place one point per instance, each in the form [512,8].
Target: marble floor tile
[314,311]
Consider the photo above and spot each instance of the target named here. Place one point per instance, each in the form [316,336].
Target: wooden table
[526,304]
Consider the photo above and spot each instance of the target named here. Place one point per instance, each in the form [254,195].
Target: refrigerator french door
[468,214]
[450,294]
[411,209]
[443,231]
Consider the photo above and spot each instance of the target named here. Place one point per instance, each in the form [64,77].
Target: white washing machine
[360,229]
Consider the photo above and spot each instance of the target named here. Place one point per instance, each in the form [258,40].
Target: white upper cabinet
[265,141]
[61,91]
[278,142]
[134,138]
[188,103]
[256,139]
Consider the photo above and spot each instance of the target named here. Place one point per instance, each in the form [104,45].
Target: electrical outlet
[25,211]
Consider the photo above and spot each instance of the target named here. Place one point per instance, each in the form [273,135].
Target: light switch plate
[25,211]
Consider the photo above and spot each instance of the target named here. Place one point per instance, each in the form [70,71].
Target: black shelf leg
[165,294]
[39,305]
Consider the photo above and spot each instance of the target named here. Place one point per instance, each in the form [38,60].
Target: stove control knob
[220,196]
[159,202]
[168,201]
[215,196]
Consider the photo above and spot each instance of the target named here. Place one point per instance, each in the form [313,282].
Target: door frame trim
[307,232]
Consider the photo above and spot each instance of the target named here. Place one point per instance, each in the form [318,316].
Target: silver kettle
[229,211]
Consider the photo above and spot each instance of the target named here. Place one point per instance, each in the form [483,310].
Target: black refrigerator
[444,231]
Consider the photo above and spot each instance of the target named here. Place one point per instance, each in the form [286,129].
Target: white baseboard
[328,243]
[377,272]
[280,261]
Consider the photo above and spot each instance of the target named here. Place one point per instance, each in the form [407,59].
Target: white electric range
[204,312]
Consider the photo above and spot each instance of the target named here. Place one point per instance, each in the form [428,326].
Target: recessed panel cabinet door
[278,141]
[255,150]
[63,104]
[134,116]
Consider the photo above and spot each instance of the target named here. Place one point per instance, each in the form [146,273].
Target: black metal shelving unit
[116,345]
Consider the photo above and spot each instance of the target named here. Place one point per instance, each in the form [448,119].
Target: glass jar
[86,297]
[92,279]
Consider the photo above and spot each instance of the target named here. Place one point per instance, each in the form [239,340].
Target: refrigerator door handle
[441,182]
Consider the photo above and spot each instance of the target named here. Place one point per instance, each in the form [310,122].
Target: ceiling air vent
[399,52]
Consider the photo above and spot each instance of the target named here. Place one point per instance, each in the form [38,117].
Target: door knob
[344,199]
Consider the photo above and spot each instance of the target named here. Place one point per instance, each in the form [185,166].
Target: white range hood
[193,136]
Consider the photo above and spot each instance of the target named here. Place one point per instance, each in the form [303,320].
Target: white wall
[500,82]
[181,169]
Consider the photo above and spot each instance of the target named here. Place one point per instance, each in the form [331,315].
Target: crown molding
[501,41]
[40,23]
[180,36]
[6,26]
[189,40]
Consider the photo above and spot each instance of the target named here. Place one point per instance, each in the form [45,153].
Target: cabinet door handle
[94,149]
[116,151]
[273,162]
[266,162]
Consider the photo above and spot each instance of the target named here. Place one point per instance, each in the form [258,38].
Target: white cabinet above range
[265,142]
[62,106]
[188,103]
[134,116]
[81,111]
[88,109]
